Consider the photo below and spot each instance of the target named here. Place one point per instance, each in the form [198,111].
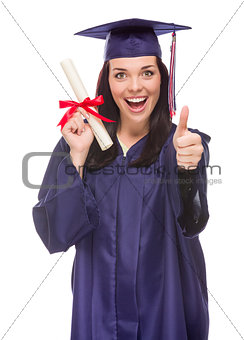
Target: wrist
[78,154]
[78,157]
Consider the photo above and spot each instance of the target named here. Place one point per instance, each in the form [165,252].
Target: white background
[29,115]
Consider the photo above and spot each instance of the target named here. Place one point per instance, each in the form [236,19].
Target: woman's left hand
[188,145]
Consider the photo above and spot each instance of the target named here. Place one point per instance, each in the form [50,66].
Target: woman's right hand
[77,134]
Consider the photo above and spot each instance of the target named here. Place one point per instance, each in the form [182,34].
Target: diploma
[100,133]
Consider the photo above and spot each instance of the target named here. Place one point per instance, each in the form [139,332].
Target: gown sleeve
[67,210]
[188,190]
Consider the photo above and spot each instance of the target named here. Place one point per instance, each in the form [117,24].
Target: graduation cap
[136,38]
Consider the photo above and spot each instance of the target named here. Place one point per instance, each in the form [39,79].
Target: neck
[129,133]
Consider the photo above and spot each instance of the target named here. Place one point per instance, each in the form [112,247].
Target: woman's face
[135,87]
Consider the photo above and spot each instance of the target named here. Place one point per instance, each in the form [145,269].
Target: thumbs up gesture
[188,145]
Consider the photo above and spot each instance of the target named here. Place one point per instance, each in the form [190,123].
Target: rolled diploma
[101,134]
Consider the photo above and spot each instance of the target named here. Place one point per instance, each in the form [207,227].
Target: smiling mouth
[136,104]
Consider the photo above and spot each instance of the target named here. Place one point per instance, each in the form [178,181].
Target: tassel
[171,88]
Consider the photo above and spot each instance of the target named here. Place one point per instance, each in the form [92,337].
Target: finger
[187,166]
[187,159]
[83,112]
[71,125]
[190,150]
[187,150]
[76,114]
[183,119]
[188,140]
[79,112]
[80,123]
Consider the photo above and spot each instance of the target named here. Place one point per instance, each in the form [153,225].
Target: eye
[120,75]
[147,73]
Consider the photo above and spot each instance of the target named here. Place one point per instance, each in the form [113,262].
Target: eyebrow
[124,69]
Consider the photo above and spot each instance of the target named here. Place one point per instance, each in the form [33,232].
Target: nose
[135,85]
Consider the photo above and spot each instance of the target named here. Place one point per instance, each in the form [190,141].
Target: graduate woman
[134,211]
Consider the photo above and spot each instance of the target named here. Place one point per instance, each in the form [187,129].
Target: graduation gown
[139,270]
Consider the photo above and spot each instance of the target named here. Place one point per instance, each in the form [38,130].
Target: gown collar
[134,149]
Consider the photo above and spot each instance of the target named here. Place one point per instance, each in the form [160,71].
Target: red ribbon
[85,105]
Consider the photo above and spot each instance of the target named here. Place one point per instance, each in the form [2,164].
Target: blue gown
[139,270]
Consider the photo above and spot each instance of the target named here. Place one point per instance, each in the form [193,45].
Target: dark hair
[160,123]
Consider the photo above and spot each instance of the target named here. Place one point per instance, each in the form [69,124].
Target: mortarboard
[135,38]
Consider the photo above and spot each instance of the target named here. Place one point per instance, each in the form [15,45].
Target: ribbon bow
[85,105]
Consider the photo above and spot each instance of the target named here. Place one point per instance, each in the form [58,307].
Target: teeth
[136,100]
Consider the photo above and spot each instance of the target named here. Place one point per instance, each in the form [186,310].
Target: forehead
[132,63]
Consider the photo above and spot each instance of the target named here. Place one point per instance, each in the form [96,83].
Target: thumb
[182,126]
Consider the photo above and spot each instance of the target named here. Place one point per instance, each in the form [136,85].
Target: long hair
[160,123]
